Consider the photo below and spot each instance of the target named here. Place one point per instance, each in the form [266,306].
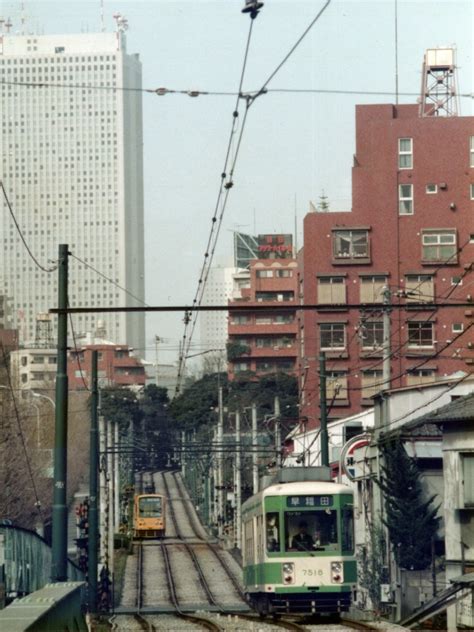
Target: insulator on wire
[252,7]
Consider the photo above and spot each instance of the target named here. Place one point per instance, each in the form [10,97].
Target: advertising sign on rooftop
[275,246]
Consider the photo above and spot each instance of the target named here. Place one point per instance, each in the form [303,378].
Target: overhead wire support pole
[277,431]
[386,352]
[220,464]
[254,450]
[93,487]
[323,411]
[59,518]
[238,482]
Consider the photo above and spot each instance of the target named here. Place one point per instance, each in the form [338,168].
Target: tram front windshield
[311,530]
[149,507]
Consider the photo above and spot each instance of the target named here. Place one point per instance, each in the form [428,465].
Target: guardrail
[55,607]
[27,561]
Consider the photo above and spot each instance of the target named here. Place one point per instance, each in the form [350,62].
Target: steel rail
[211,547]
[206,623]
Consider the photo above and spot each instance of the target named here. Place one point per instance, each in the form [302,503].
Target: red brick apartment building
[116,367]
[411,228]
[261,341]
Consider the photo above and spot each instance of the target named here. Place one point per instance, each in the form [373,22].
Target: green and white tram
[298,547]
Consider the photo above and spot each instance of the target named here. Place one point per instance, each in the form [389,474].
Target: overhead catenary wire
[250,99]
[216,220]
[193,92]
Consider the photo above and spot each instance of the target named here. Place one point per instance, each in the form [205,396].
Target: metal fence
[27,561]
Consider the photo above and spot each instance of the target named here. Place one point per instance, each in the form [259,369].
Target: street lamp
[51,401]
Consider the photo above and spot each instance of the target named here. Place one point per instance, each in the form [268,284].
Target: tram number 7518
[312,572]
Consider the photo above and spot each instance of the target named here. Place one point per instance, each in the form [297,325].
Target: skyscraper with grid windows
[72,168]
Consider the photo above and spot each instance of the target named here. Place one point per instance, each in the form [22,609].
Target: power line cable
[22,237]
[106,278]
[21,434]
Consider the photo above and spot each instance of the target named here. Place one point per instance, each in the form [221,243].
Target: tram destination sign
[309,501]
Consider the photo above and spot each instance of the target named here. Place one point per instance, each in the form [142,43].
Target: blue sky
[294,146]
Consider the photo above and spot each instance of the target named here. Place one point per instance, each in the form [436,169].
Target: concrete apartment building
[260,341]
[411,230]
[116,366]
[72,170]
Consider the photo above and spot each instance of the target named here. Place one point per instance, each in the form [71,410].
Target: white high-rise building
[223,284]
[72,167]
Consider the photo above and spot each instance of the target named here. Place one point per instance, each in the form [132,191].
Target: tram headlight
[288,569]
[337,575]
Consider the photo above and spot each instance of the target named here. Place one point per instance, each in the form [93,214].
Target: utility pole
[254,450]
[323,411]
[277,431]
[102,490]
[157,341]
[59,518]
[117,474]
[386,337]
[220,463]
[93,541]
[110,499]
[238,483]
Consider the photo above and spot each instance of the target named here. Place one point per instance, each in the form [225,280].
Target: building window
[332,336]
[405,199]
[283,273]
[472,152]
[241,366]
[283,319]
[264,274]
[371,288]
[431,189]
[456,280]
[372,383]
[457,328]
[331,289]
[371,332]
[405,153]
[467,461]
[420,376]
[351,244]
[420,334]
[274,296]
[419,288]
[241,319]
[439,246]
[351,430]
[336,386]
[472,191]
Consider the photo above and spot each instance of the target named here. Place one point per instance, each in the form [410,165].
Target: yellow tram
[149,516]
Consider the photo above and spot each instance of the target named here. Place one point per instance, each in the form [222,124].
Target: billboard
[275,246]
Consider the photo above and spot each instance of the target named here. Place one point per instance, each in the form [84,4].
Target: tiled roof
[460,409]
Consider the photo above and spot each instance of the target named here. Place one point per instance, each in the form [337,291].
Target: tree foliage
[372,566]
[410,518]
[195,406]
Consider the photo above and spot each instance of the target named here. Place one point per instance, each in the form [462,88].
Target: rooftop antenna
[296,228]
[23,19]
[438,89]
[102,24]
[8,25]
[122,26]
[396,52]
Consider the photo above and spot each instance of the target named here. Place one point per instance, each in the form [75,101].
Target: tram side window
[310,530]
[272,532]
[347,529]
